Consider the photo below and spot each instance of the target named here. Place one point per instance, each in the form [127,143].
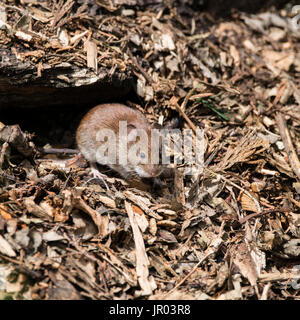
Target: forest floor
[229,229]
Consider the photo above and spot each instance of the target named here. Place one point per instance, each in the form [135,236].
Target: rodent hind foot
[96,174]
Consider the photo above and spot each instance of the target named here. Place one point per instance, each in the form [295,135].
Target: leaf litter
[228,231]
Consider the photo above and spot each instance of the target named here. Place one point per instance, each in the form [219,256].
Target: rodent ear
[131,134]
[131,126]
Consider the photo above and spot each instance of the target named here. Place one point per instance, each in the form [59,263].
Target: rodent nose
[154,172]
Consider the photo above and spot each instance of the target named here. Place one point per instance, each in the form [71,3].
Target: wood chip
[142,262]
[91,54]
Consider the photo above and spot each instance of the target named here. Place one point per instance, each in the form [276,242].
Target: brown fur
[107,116]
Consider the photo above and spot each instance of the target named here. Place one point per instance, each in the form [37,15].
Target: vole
[93,140]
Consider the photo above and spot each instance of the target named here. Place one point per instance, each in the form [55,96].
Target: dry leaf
[248,203]
[6,248]
[107,201]
[242,259]
[147,284]
[4,212]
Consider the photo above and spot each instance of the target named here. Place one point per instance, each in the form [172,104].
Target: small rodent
[108,116]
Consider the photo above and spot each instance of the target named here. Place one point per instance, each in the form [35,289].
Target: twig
[115,262]
[256,214]
[280,92]
[220,86]
[136,64]
[213,248]
[173,102]
[186,99]
[188,275]
[3,256]
[174,13]
[58,151]
[288,145]
[63,8]
[236,186]
[295,202]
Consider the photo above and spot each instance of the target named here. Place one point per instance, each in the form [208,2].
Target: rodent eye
[142,155]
